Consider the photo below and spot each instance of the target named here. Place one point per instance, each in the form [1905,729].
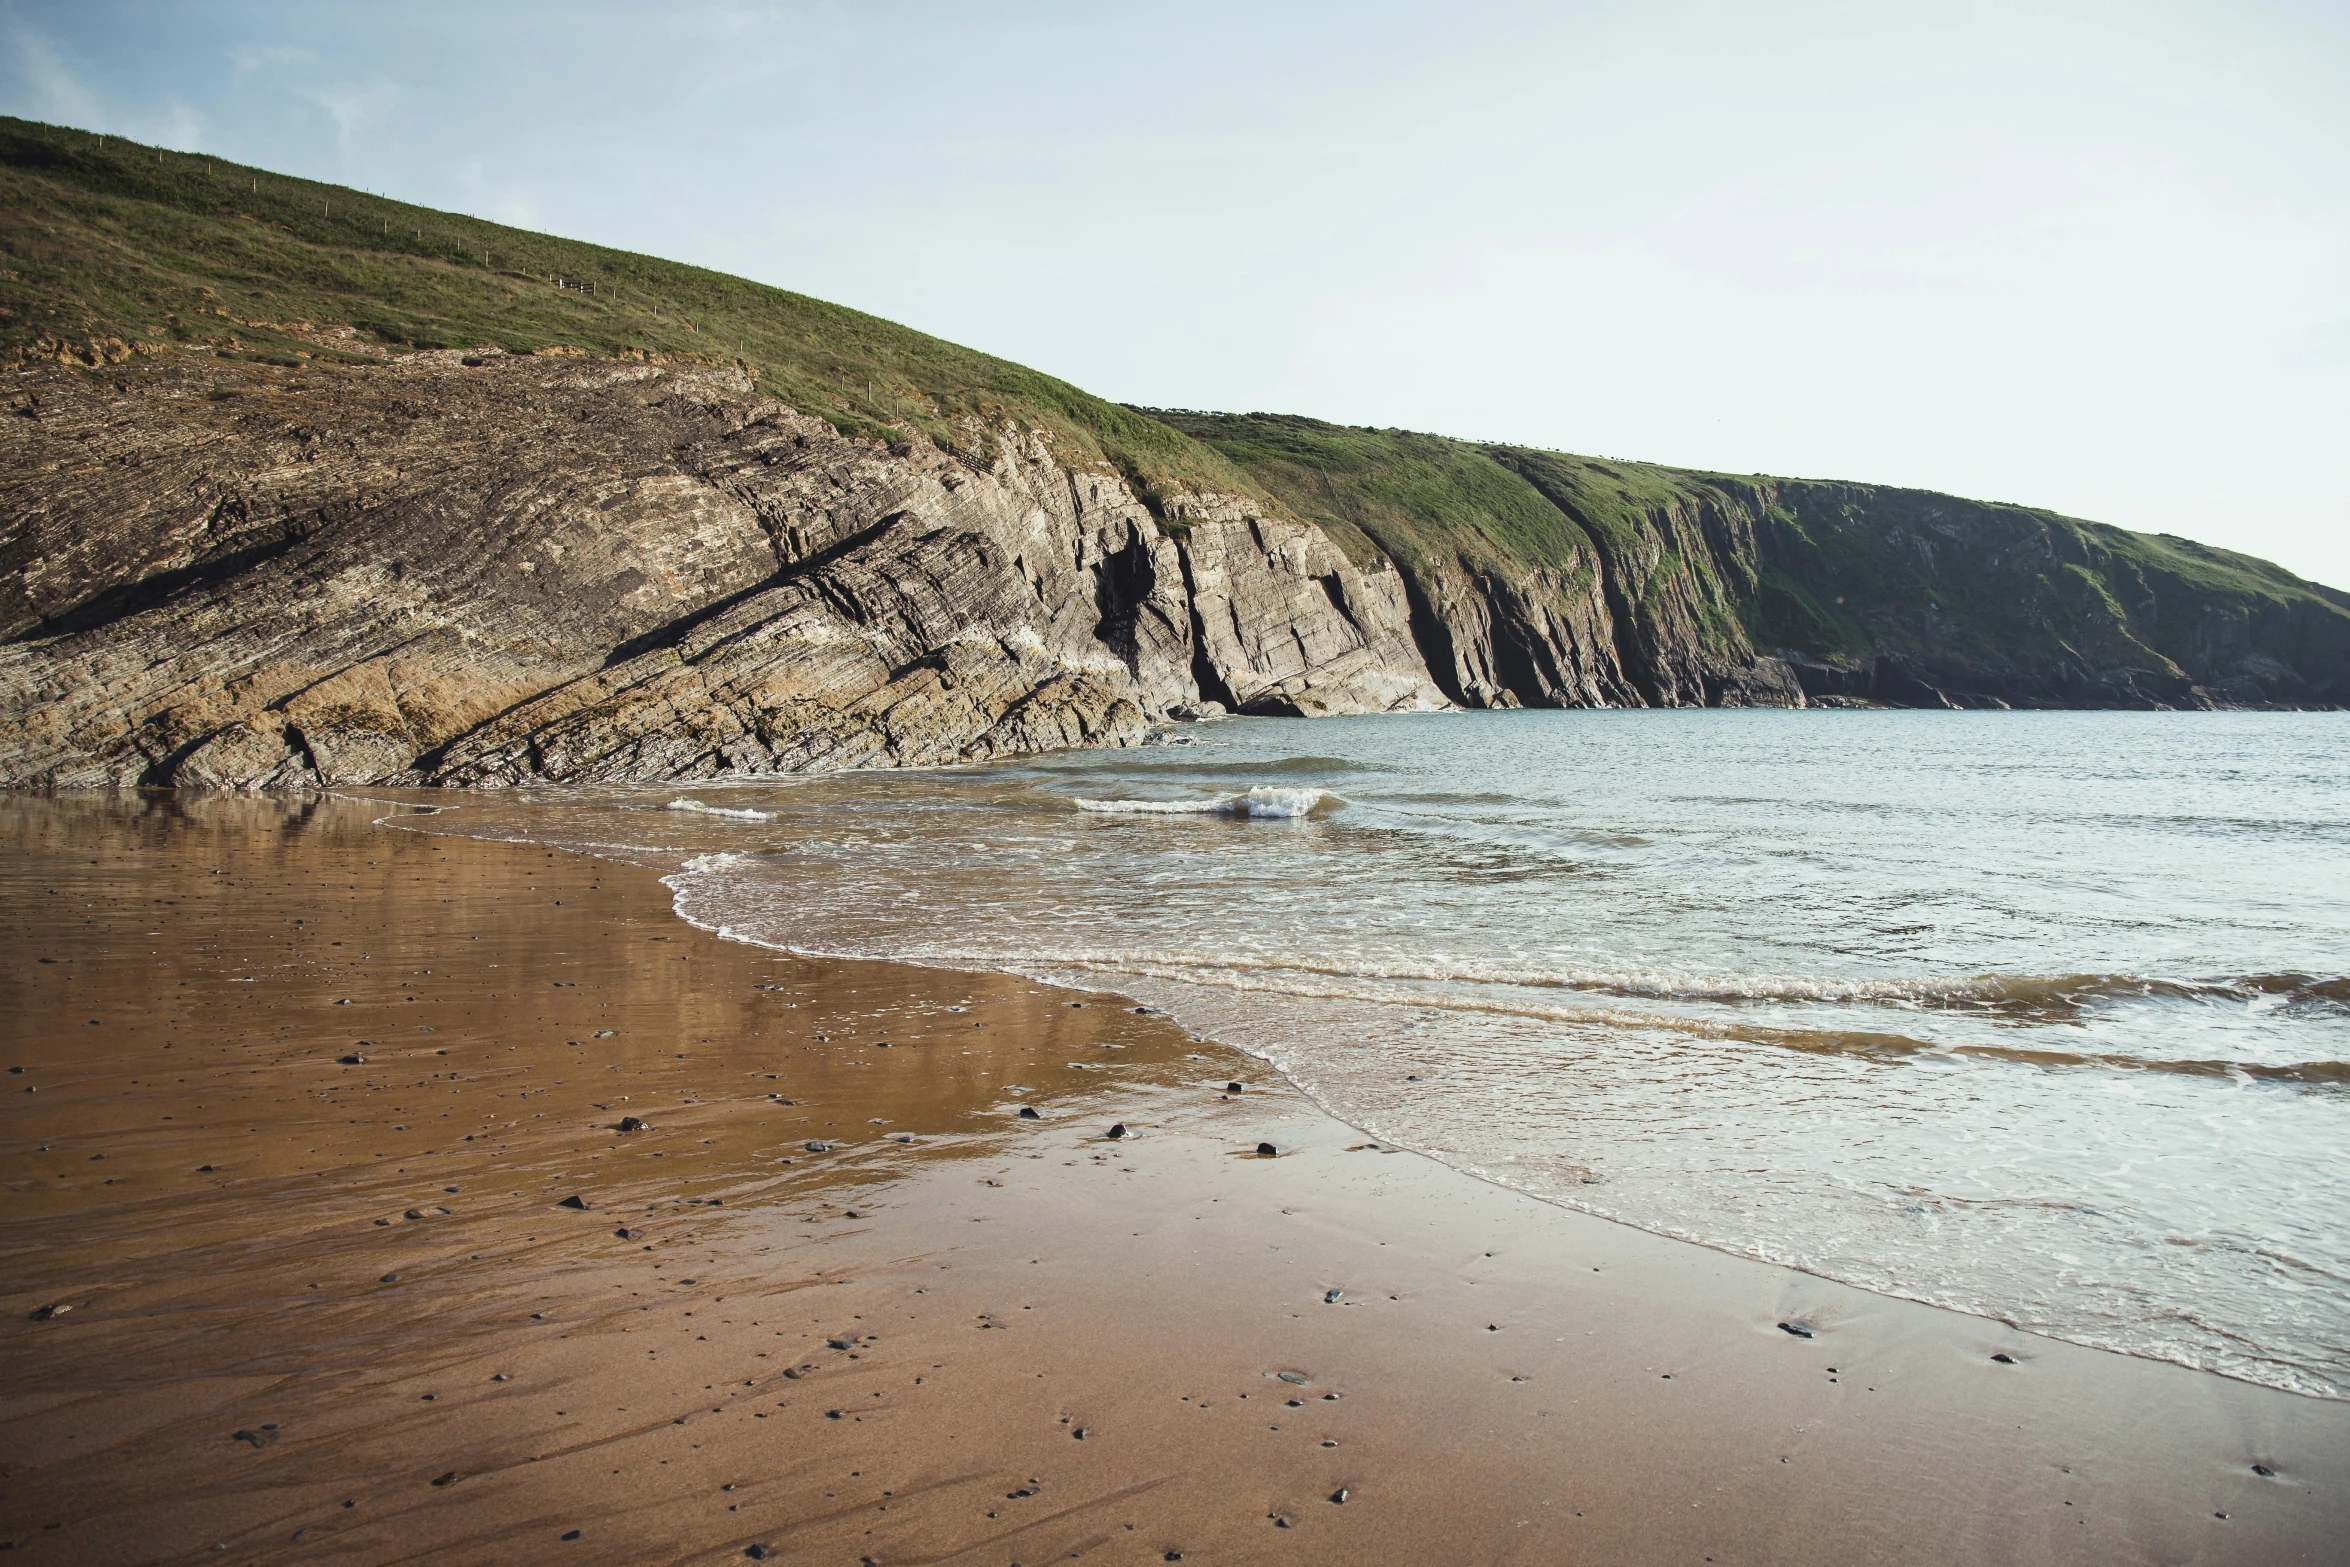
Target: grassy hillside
[103,238]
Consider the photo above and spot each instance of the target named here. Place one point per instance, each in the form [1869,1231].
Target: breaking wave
[1265,800]
[744,814]
[703,864]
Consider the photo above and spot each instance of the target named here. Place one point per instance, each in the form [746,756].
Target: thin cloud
[46,87]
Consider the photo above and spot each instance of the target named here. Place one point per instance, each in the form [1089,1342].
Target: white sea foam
[1265,800]
[699,809]
[703,864]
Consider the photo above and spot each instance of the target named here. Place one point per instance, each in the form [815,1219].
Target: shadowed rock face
[569,570]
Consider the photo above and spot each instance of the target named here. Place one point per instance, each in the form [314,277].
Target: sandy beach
[322,1239]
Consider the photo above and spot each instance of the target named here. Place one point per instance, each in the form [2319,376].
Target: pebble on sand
[632,1123]
[1267,1151]
[574,1201]
[1232,1088]
[1118,1130]
[44,1313]
[1028,1113]
[353,1059]
[389,1278]
[1799,1329]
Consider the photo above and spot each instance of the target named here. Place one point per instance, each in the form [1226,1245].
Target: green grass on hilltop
[108,238]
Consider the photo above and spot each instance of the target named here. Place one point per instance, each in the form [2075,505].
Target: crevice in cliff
[1122,584]
[1204,674]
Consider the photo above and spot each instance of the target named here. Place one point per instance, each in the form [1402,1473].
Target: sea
[2039,1016]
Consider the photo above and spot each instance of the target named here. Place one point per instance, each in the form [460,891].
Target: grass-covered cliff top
[105,238]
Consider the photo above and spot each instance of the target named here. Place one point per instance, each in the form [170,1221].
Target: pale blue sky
[2091,256]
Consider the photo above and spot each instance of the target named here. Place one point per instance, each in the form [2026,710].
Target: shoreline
[1514,1379]
[2281,1376]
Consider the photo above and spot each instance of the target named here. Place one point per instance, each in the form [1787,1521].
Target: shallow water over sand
[2040,1016]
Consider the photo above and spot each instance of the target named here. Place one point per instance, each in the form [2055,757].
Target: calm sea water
[2040,1016]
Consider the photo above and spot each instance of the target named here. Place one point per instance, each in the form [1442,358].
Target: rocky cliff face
[492,569]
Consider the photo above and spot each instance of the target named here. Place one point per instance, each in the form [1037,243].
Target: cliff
[299,485]
[486,569]
[1543,579]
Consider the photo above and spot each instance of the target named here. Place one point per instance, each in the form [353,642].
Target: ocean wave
[1265,800]
[703,864]
[1867,1044]
[699,809]
[2032,997]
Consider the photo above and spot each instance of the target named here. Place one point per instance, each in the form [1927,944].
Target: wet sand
[335,1312]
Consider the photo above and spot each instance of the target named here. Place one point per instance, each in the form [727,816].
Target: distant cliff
[1542,579]
[300,486]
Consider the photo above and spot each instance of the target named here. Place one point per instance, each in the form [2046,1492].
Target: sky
[2080,255]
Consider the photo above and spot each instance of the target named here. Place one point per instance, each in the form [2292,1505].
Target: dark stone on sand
[1339,1495]
[389,1278]
[574,1201]
[1330,1297]
[633,1123]
[2264,1471]
[448,1479]
[832,1414]
[849,1341]
[817,1147]
[626,1235]
[1267,1151]
[45,1313]
[1799,1329]
[203,1169]
[2004,1359]
[413,1213]
[352,1060]
[571,1534]
[259,1439]
[1118,1130]
[1232,1088]
[1028,1113]
[1078,1434]
[757,1553]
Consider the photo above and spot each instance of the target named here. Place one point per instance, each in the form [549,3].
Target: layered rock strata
[494,569]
